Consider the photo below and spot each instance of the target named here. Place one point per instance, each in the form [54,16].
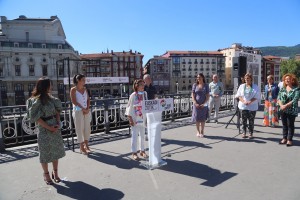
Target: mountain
[280,51]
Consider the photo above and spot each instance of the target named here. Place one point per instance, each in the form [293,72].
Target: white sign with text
[95,80]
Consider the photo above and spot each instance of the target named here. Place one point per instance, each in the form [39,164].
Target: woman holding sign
[136,118]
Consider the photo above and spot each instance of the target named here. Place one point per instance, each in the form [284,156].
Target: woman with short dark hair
[248,94]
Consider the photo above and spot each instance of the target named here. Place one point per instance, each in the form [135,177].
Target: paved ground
[220,166]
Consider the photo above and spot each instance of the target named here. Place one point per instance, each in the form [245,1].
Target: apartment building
[270,66]
[251,63]
[29,49]
[185,65]
[112,64]
[159,68]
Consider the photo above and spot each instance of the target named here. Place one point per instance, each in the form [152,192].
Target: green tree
[290,66]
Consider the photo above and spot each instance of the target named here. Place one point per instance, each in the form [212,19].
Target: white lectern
[153,110]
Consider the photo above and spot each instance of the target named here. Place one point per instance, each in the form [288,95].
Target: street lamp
[176,87]
[121,89]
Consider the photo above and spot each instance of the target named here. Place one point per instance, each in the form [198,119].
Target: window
[44,46]
[59,46]
[30,88]
[19,87]
[17,70]
[44,70]
[31,70]
[1,71]
[29,45]
[16,44]
[27,36]
[60,70]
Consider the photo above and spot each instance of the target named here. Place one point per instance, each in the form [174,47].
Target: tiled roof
[192,53]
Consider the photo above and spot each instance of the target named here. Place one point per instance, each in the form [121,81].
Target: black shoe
[216,121]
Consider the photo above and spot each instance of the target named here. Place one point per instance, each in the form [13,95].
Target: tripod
[238,120]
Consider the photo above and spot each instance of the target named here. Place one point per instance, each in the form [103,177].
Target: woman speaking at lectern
[136,118]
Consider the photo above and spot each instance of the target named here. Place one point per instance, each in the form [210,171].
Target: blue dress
[200,114]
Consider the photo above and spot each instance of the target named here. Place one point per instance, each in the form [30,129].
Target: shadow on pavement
[212,176]
[83,191]
[18,154]
[118,161]
[182,144]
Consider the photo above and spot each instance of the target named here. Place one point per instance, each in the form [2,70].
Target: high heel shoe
[57,179]
[83,151]
[47,181]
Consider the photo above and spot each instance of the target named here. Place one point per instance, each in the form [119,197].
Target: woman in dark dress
[200,97]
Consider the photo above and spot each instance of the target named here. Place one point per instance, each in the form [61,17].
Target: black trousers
[288,125]
[248,115]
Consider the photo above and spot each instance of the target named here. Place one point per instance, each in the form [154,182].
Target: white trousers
[138,129]
[216,102]
[82,126]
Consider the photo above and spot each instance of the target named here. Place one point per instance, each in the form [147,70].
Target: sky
[153,27]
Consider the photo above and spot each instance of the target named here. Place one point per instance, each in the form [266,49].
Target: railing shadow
[212,176]
[18,154]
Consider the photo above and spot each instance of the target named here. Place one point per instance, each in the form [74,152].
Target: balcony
[183,69]
[195,69]
[183,62]
[190,69]
[189,63]
[207,62]
[207,69]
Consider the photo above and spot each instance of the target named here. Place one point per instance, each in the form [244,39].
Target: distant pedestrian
[81,108]
[200,97]
[216,91]
[271,108]
[44,109]
[288,98]
[136,118]
[248,94]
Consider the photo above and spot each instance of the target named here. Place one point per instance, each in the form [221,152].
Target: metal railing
[106,115]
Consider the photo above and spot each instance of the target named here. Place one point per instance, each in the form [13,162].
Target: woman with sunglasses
[200,97]
[137,119]
[248,94]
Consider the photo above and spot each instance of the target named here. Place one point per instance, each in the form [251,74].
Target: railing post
[107,128]
[2,147]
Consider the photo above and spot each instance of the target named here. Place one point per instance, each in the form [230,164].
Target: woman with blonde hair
[288,101]
[248,94]
[271,110]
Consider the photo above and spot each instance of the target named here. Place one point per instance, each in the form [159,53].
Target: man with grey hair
[151,92]
[215,91]
[149,88]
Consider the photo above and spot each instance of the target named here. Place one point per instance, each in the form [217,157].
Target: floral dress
[50,144]
[271,108]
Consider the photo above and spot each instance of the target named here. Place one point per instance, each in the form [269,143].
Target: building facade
[185,65]
[232,63]
[112,64]
[270,66]
[159,69]
[30,49]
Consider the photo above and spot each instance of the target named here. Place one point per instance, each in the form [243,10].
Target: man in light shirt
[216,90]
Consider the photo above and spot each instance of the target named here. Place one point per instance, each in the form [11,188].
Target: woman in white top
[81,108]
[248,95]
[136,118]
